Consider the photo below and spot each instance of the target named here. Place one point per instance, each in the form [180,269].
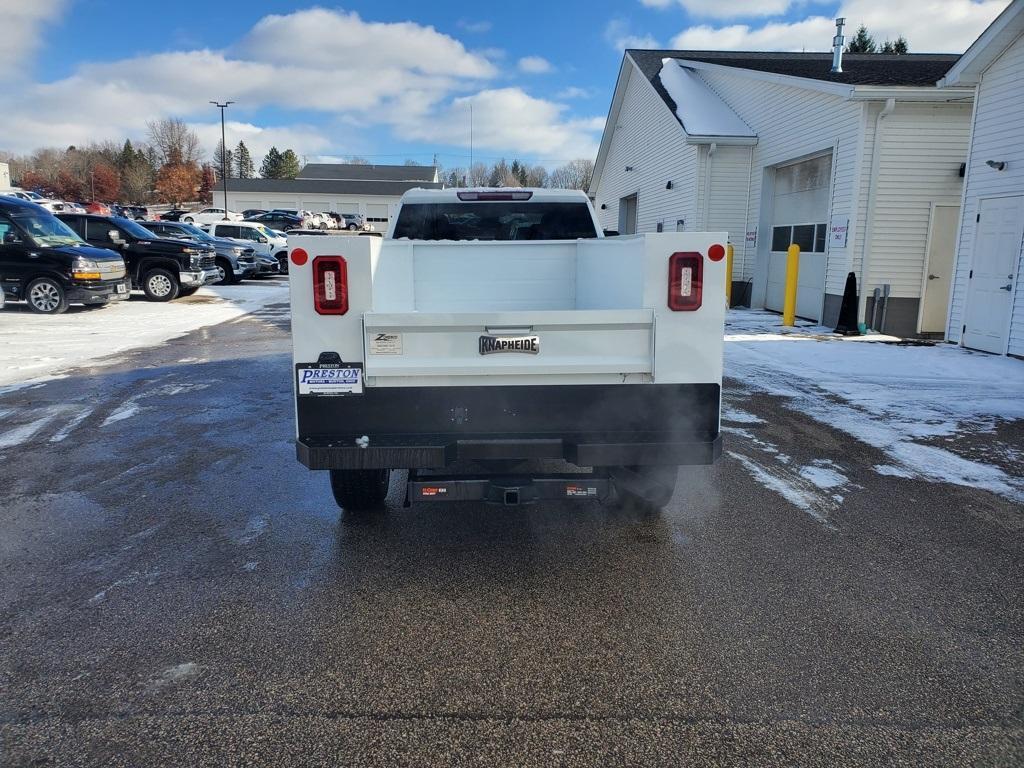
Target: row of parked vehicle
[51,260]
[282,219]
[137,212]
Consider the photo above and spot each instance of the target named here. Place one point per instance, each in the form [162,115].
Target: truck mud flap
[508,490]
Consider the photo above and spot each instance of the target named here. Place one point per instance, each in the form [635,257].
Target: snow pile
[38,347]
[698,108]
[891,397]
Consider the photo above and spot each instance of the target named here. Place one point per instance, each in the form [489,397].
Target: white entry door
[994,261]
[941,246]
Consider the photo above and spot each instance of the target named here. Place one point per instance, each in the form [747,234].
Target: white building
[5,177]
[370,190]
[862,168]
[987,307]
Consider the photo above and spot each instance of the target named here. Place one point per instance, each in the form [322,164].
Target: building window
[810,237]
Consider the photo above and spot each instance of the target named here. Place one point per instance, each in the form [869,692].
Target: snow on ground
[35,348]
[897,398]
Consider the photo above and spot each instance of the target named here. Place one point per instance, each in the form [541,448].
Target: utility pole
[223,152]
[471,139]
[92,184]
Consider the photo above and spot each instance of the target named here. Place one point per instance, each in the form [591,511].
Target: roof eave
[928,93]
[736,141]
[991,43]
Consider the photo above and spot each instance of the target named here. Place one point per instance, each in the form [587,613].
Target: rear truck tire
[46,296]
[187,291]
[160,285]
[227,274]
[359,491]
[646,489]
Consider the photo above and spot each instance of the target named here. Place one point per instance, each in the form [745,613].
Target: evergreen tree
[127,158]
[519,170]
[271,168]
[862,42]
[290,165]
[897,47]
[244,168]
[223,163]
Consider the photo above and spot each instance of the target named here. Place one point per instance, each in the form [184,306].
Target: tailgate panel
[570,342]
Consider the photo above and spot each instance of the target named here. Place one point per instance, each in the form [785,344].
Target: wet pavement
[175,589]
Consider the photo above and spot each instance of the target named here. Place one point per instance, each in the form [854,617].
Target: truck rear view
[494,328]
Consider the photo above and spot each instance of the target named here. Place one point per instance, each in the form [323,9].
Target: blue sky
[390,80]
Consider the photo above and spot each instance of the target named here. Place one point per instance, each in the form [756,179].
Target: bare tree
[575,174]
[175,143]
[479,175]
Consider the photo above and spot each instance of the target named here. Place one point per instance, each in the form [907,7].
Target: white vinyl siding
[724,208]
[792,123]
[650,140]
[998,135]
[922,148]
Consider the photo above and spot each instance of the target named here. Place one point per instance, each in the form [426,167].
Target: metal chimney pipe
[837,46]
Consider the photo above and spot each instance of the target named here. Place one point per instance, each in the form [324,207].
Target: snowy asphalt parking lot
[843,588]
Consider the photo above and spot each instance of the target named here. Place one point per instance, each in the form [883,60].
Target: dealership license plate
[329,379]
[122,288]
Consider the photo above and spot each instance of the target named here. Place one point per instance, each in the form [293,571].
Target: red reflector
[471,196]
[330,285]
[716,252]
[685,281]
[299,257]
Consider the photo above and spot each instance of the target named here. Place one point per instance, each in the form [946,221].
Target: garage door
[245,205]
[377,215]
[799,215]
[319,207]
[287,205]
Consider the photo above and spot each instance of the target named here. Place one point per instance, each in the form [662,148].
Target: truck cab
[162,268]
[497,327]
[45,264]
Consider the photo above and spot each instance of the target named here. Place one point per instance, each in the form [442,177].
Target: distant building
[987,308]
[370,190]
[5,177]
[862,168]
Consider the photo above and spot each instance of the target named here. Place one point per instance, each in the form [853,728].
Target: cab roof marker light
[467,197]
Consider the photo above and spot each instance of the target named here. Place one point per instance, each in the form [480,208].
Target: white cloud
[617,33]
[23,22]
[534,65]
[510,120]
[362,77]
[474,27]
[929,26]
[726,9]
[574,92]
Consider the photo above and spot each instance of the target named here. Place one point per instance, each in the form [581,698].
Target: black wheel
[187,291]
[189,220]
[352,227]
[46,296]
[646,489]
[282,262]
[360,490]
[160,285]
[227,274]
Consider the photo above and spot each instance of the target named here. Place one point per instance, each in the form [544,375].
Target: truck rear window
[494,221]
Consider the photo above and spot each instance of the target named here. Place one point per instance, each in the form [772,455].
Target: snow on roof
[698,108]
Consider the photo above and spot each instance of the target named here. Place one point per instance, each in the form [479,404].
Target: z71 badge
[528,345]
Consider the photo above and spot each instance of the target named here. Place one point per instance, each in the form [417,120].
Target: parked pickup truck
[163,268]
[499,326]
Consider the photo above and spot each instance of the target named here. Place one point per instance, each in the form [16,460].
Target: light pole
[223,152]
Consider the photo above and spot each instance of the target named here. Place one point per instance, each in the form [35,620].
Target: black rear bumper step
[508,490]
[425,452]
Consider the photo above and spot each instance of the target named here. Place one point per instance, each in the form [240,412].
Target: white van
[263,240]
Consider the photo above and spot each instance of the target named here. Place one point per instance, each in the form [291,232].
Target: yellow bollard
[728,274]
[792,272]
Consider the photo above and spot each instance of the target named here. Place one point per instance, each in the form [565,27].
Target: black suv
[48,266]
[164,269]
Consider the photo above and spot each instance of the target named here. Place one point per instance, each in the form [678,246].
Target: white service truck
[491,327]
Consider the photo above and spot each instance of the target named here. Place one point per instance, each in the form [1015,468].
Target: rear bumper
[435,427]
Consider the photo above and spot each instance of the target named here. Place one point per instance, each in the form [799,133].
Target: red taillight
[330,285]
[685,281]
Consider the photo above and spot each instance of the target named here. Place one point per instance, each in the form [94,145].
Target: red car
[100,208]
